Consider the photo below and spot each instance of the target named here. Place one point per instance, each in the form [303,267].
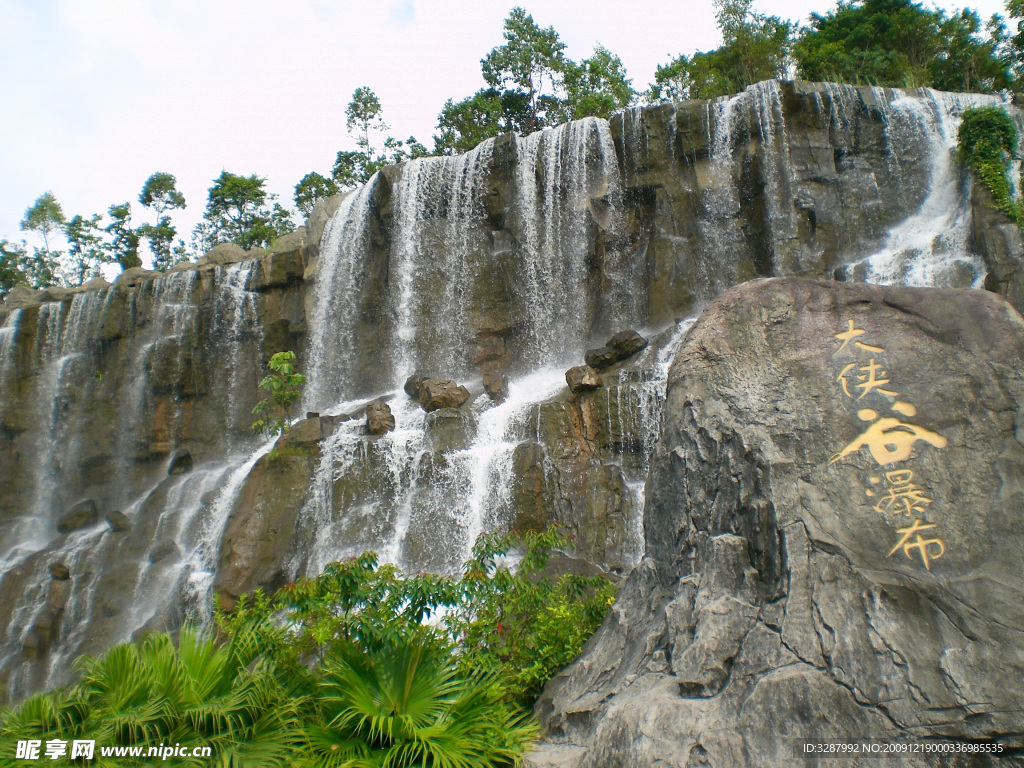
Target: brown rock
[442,393]
[379,418]
[82,515]
[118,522]
[60,572]
[619,347]
[582,378]
[496,386]
[413,384]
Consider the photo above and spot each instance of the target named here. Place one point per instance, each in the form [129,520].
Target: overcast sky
[96,95]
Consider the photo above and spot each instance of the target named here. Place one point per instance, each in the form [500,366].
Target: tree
[161,194]
[194,692]
[123,246]
[900,43]
[284,385]
[311,189]
[409,705]
[530,63]
[466,123]
[239,210]
[45,218]
[754,47]
[597,87]
[12,263]
[364,115]
[85,249]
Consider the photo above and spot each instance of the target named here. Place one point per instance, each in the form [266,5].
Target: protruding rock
[163,550]
[449,429]
[134,276]
[582,378]
[442,393]
[280,268]
[60,572]
[82,515]
[224,253]
[307,430]
[619,347]
[413,384]
[118,521]
[379,418]
[496,386]
[20,297]
[181,462]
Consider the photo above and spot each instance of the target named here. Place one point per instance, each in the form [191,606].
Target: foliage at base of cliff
[360,667]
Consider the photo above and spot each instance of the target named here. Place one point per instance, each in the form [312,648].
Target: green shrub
[987,142]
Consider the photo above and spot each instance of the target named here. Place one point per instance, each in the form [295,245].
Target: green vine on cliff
[987,142]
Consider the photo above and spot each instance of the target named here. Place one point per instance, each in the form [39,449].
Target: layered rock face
[833,537]
[496,271]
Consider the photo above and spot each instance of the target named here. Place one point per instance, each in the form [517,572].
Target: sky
[97,95]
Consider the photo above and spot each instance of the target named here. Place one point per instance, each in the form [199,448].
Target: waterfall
[509,260]
[174,528]
[931,247]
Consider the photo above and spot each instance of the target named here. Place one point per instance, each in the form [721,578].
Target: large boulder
[619,347]
[442,393]
[582,378]
[833,540]
[379,418]
[84,514]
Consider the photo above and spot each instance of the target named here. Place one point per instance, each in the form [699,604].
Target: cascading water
[511,259]
[173,526]
[932,246]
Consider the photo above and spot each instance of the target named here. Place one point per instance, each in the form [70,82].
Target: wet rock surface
[379,418]
[833,538]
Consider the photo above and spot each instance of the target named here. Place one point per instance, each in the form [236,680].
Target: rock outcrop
[833,539]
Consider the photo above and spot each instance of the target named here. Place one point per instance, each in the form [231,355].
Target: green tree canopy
[239,210]
[531,63]
[900,43]
[85,249]
[123,246]
[45,218]
[311,189]
[754,47]
[597,87]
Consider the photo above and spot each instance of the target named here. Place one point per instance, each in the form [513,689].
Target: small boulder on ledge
[413,384]
[118,521]
[181,462]
[582,378]
[442,393]
[379,418]
[496,386]
[620,346]
[82,515]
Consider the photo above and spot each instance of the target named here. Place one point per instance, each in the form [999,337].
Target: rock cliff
[497,270]
[833,535]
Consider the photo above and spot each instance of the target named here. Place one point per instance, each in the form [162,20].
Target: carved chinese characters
[890,440]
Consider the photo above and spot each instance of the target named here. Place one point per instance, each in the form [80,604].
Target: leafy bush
[987,142]
[360,667]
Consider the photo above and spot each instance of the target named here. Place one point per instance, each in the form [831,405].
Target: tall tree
[754,47]
[123,246]
[597,87]
[311,189]
[239,210]
[161,195]
[85,249]
[45,218]
[530,62]
[364,115]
